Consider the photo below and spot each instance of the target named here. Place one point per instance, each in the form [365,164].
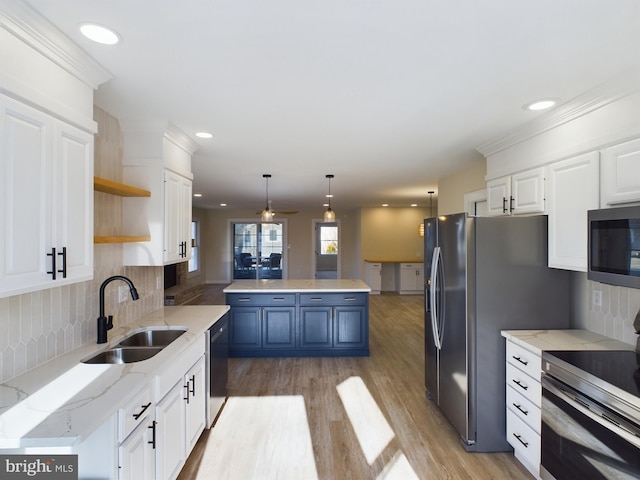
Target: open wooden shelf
[122,239]
[120,189]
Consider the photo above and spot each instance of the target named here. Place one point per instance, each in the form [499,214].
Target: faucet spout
[106,323]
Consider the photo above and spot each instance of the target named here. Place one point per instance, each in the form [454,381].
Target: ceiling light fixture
[197,195]
[204,135]
[329,215]
[267,214]
[542,104]
[99,33]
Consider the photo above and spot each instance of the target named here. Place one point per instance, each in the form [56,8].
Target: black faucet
[105,323]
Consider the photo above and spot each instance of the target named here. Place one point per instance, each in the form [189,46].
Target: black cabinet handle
[64,262]
[504,204]
[511,199]
[152,442]
[519,437]
[520,360]
[53,263]
[517,382]
[136,416]
[186,397]
[519,407]
[193,385]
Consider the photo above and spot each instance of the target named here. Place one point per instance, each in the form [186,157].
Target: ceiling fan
[278,212]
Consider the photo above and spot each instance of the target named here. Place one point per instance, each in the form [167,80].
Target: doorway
[257,250]
[326,250]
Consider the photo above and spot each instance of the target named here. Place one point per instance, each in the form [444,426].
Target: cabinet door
[527,192]
[177,218]
[498,195]
[73,194]
[195,411]
[316,327]
[184,219]
[573,190]
[278,327]
[374,277]
[244,328]
[137,454]
[170,438]
[350,327]
[621,173]
[172,226]
[26,213]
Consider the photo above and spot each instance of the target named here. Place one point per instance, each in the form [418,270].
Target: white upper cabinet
[572,191]
[158,161]
[518,194]
[620,174]
[46,211]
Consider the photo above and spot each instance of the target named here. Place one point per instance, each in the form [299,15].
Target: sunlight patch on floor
[372,429]
[398,469]
[250,441]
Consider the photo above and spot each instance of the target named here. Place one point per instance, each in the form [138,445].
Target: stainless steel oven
[590,415]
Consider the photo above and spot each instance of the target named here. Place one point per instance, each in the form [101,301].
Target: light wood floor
[341,418]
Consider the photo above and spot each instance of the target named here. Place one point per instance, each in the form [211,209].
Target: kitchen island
[298,318]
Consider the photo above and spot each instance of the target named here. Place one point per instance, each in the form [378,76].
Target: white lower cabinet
[180,417]
[524,400]
[411,278]
[136,455]
[136,437]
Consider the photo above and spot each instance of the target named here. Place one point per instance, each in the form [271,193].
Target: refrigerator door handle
[433,292]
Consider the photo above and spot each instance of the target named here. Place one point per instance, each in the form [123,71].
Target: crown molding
[28,25]
[591,100]
[177,136]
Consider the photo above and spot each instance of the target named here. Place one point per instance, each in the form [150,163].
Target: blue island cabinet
[299,324]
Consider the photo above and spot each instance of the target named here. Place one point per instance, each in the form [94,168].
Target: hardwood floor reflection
[381,398]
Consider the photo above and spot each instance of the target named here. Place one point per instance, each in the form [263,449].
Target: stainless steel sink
[152,338]
[124,355]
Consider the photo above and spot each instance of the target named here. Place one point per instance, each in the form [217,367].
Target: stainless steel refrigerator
[484,275]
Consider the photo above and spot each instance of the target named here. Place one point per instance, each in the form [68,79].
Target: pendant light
[267,214]
[329,215]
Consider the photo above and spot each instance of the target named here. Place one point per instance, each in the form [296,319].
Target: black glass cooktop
[620,368]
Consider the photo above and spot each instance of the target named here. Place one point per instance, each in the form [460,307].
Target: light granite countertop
[61,402]
[538,341]
[304,285]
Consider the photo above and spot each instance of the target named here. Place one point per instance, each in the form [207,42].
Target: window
[194,261]
[328,240]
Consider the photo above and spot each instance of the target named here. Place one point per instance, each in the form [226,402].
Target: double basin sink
[138,346]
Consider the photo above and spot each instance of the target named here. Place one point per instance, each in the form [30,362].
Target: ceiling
[388,96]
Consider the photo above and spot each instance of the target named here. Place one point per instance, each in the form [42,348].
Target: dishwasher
[218,352]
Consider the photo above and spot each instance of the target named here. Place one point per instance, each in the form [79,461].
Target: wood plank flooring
[341,418]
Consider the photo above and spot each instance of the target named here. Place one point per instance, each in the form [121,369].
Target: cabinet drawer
[134,413]
[411,266]
[246,300]
[523,408]
[331,299]
[525,443]
[524,384]
[528,362]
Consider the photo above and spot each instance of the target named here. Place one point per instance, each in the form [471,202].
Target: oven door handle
[608,419]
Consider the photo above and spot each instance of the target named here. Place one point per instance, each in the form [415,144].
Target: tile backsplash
[39,326]
[614,316]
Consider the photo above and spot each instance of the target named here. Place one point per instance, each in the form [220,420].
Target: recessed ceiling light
[197,194]
[99,33]
[542,104]
[223,204]
[385,204]
[204,135]
[414,204]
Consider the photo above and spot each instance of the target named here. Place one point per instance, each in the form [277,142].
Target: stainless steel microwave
[614,246]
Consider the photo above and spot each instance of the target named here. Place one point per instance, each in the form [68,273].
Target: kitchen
[78,303]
